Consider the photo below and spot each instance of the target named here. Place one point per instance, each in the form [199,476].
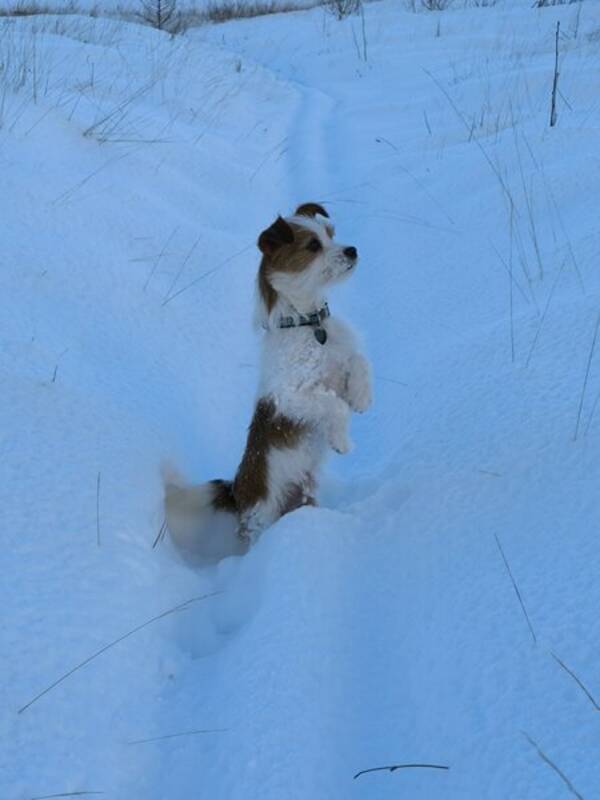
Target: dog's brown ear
[311,210]
[272,238]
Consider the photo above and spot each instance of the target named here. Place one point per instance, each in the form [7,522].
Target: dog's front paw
[360,394]
[343,448]
[340,441]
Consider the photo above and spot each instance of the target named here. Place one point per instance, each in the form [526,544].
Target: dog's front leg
[358,385]
[327,412]
[334,414]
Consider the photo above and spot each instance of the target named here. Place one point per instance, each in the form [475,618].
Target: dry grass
[552,3]
[29,8]
[215,12]
[226,10]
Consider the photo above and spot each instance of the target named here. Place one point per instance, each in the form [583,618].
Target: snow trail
[382,627]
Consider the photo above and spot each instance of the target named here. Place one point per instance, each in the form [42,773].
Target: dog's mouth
[341,269]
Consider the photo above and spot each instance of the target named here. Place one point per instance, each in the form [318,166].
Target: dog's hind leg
[291,496]
[254,520]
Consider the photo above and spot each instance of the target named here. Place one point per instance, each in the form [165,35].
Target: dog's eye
[314,245]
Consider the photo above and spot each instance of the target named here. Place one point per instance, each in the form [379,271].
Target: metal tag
[320,335]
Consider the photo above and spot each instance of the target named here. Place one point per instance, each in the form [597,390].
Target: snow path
[382,627]
[435,574]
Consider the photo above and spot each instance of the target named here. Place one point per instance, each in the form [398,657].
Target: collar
[314,319]
[297,320]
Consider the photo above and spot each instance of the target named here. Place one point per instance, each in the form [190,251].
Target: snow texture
[382,627]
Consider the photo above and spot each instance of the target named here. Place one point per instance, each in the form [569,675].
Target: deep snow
[383,627]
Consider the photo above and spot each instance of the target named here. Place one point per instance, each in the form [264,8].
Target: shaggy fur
[306,393]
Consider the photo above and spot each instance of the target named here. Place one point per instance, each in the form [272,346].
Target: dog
[312,377]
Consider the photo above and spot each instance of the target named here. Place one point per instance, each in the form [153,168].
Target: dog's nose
[350,252]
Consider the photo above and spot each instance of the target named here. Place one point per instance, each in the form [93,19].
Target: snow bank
[383,627]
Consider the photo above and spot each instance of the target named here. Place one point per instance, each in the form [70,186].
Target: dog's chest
[296,359]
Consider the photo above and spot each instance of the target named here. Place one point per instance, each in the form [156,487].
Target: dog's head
[301,258]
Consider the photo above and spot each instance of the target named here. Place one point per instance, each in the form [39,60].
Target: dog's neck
[313,320]
[298,308]
[285,307]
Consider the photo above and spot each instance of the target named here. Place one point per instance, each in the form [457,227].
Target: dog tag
[320,335]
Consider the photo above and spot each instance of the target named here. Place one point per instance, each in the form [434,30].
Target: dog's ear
[311,210]
[273,238]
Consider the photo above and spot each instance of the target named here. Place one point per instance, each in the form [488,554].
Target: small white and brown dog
[312,377]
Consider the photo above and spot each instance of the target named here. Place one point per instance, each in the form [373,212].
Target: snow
[382,627]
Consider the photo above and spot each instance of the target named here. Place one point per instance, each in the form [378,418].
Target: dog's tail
[202,520]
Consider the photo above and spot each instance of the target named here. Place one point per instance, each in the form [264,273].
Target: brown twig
[389,380]
[544,313]
[167,297]
[206,274]
[553,115]
[63,794]
[592,412]
[553,766]
[574,261]
[394,767]
[64,352]
[587,375]
[98,509]
[509,272]
[180,607]
[481,148]
[581,685]
[420,184]
[511,303]
[516,588]
[161,534]
[176,735]
[160,255]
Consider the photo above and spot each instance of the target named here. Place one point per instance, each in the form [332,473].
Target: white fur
[309,382]
[200,534]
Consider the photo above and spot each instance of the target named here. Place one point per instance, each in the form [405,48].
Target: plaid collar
[314,319]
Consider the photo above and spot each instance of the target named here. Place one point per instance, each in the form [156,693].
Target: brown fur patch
[266,291]
[223,499]
[294,257]
[269,241]
[286,256]
[311,210]
[284,249]
[298,495]
[268,429]
[278,234]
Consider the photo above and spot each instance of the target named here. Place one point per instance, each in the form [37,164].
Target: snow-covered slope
[383,627]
